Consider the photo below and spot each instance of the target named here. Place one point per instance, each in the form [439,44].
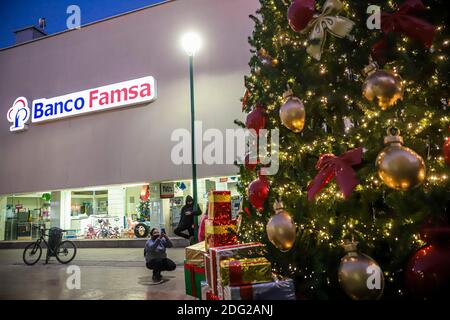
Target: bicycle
[64,251]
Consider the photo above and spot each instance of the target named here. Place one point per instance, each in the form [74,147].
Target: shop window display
[106,212]
[90,218]
[23,213]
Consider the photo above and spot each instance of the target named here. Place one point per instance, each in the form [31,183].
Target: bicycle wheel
[66,251]
[32,254]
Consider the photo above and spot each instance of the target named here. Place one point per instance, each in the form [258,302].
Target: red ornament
[446,149]
[339,167]
[250,166]
[300,12]
[428,270]
[258,191]
[256,119]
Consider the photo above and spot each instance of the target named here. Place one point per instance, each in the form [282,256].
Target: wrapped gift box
[208,270]
[204,289]
[219,205]
[236,272]
[193,276]
[194,254]
[216,255]
[283,289]
[211,296]
[220,233]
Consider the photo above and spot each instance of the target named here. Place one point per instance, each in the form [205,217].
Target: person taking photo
[156,256]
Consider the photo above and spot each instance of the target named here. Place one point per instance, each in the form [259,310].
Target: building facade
[78,167]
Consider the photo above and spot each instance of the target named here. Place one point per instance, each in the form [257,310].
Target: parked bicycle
[64,251]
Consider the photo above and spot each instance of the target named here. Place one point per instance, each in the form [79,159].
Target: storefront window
[21,214]
[108,212]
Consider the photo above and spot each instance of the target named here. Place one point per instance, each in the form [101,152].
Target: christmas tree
[345,97]
[144,209]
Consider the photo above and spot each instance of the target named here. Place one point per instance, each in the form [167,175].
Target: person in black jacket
[187,220]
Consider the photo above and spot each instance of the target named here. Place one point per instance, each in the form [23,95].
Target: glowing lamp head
[191,43]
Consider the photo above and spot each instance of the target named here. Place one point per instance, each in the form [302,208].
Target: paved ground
[118,273]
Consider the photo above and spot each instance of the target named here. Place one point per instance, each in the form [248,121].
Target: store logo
[19,114]
[127,93]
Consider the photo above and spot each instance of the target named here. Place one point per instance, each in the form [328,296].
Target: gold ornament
[399,167]
[383,85]
[326,22]
[281,230]
[292,112]
[359,275]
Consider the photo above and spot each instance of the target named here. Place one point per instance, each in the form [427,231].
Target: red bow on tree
[403,21]
[340,167]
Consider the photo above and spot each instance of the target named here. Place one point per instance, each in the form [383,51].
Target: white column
[55,209]
[116,202]
[165,206]
[66,202]
[2,217]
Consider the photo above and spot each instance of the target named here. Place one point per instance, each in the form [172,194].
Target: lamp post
[191,44]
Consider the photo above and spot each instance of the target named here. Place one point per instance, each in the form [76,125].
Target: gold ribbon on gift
[219,197]
[326,22]
[194,254]
[221,229]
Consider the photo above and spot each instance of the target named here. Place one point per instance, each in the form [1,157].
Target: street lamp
[191,44]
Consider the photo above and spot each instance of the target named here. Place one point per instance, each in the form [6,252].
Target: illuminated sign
[127,93]
[167,190]
[19,114]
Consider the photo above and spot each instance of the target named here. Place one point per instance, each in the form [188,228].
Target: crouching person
[155,254]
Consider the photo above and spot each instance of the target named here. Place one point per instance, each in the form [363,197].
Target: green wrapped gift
[193,276]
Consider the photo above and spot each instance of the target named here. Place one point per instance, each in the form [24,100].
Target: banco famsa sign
[117,95]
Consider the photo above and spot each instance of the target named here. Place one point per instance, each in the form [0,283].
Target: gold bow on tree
[327,21]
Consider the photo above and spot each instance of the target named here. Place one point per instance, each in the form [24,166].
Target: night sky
[17,14]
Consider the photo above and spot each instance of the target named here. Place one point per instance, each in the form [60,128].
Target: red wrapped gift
[219,205]
[220,233]
[216,255]
[236,272]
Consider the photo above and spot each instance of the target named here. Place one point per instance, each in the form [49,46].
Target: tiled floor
[105,274]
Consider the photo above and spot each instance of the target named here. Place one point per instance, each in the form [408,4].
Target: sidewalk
[117,273]
[178,242]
